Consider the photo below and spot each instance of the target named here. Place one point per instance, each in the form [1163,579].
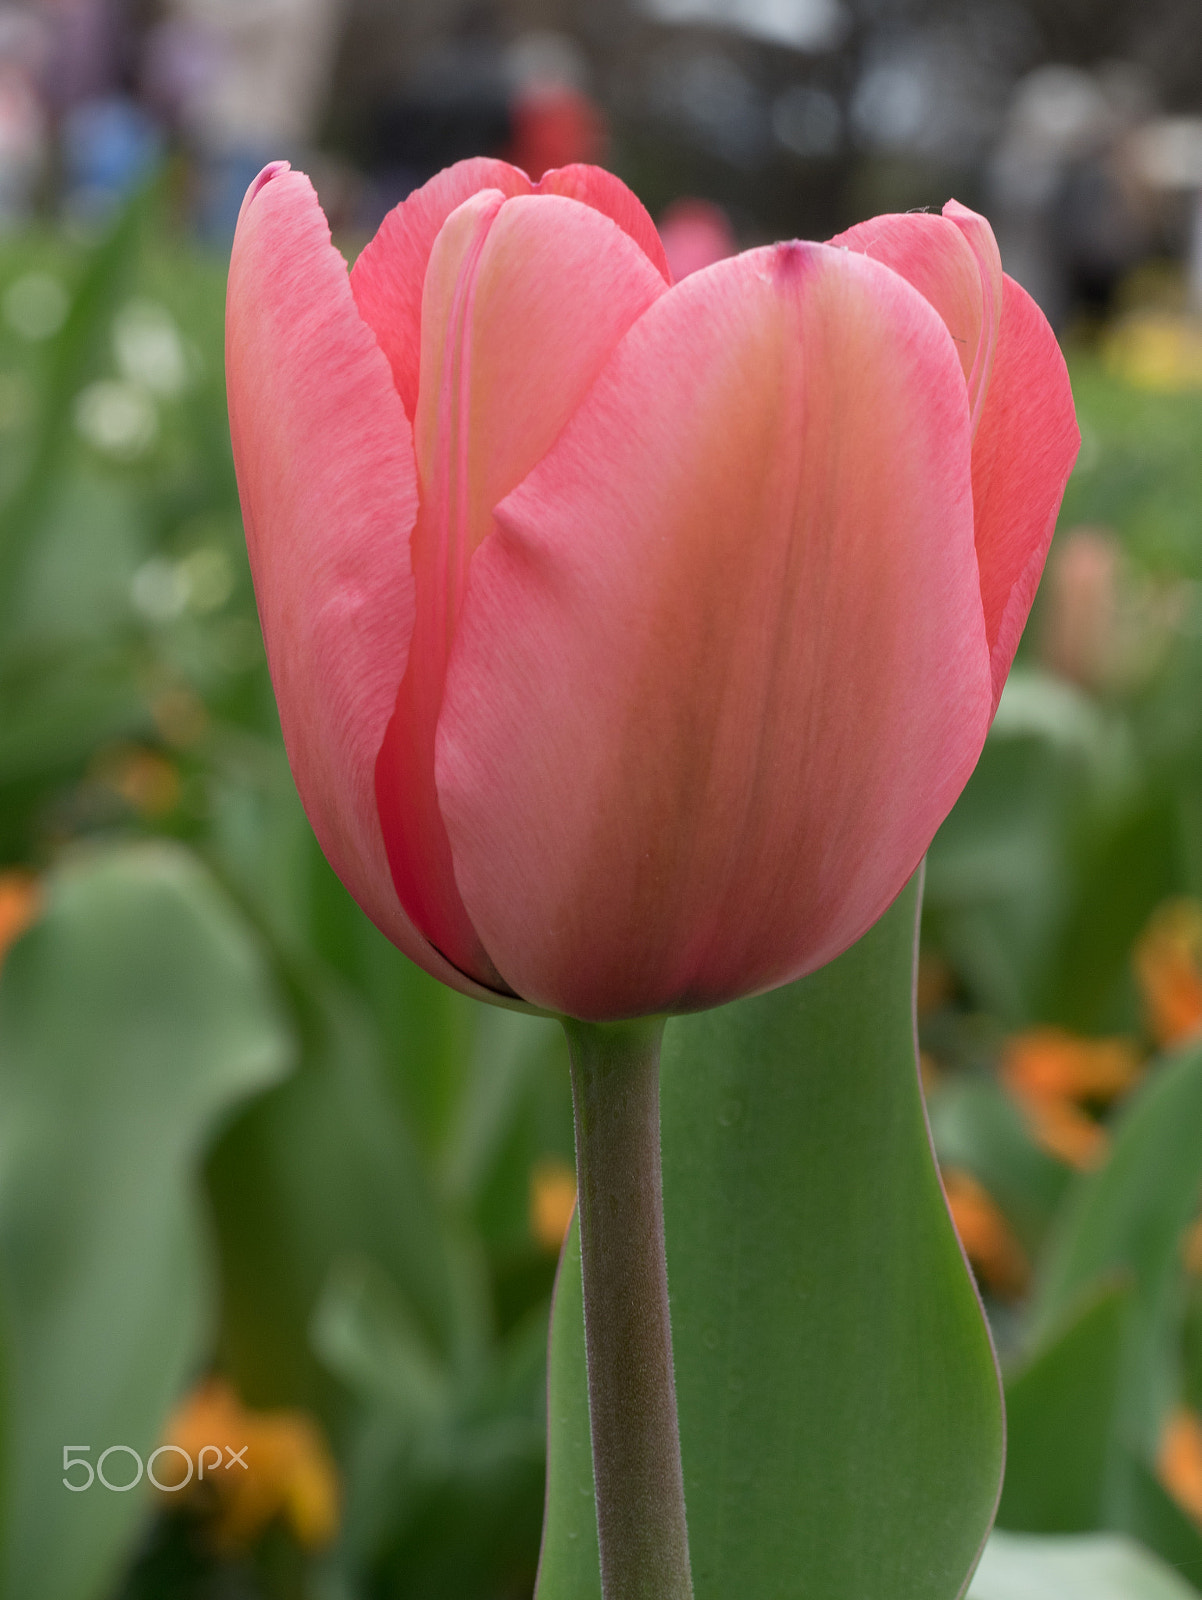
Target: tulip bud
[631,639]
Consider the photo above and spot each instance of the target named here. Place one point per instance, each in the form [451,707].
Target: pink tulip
[632,640]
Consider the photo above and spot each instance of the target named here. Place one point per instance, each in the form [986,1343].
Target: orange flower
[1053,1075]
[1191,1248]
[552,1201]
[1053,1064]
[1179,1460]
[1168,969]
[989,1243]
[20,903]
[1064,1130]
[256,1466]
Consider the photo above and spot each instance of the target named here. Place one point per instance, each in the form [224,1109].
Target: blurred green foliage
[344,1224]
[364,1226]
[1081,824]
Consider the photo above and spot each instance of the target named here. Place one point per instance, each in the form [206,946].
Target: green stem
[628,1336]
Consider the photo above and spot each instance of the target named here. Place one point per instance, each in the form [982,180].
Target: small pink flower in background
[1081,607]
[631,640]
[1105,626]
[696,233]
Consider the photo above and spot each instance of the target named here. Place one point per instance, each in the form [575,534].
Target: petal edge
[325,469]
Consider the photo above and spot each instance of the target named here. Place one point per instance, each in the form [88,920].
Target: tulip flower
[631,639]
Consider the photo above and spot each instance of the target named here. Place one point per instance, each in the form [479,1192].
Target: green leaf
[1128,1218]
[365,1331]
[1061,1419]
[132,1018]
[839,1403]
[322,1169]
[445,1469]
[569,1567]
[996,877]
[1147,1512]
[1087,1567]
[1125,875]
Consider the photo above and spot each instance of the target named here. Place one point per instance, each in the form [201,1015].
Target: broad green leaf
[365,1331]
[321,1169]
[1125,875]
[1146,1512]
[996,877]
[1128,1218]
[840,1411]
[427,1030]
[1068,1469]
[1191,1342]
[510,1057]
[1041,875]
[132,1017]
[1086,1567]
[1061,1421]
[445,1467]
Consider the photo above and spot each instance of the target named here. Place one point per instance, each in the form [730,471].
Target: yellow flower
[1159,351]
[254,1467]
[1168,969]
[552,1201]
[1179,1461]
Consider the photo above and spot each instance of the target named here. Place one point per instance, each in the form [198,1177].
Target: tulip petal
[1025,431]
[721,668]
[980,239]
[1022,456]
[326,475]
[953,262]
[524,301]
[596,187]
[390,273]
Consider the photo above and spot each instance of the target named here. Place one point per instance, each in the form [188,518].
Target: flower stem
[628,1336]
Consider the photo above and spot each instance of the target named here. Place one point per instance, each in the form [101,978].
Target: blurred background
[262,1180]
